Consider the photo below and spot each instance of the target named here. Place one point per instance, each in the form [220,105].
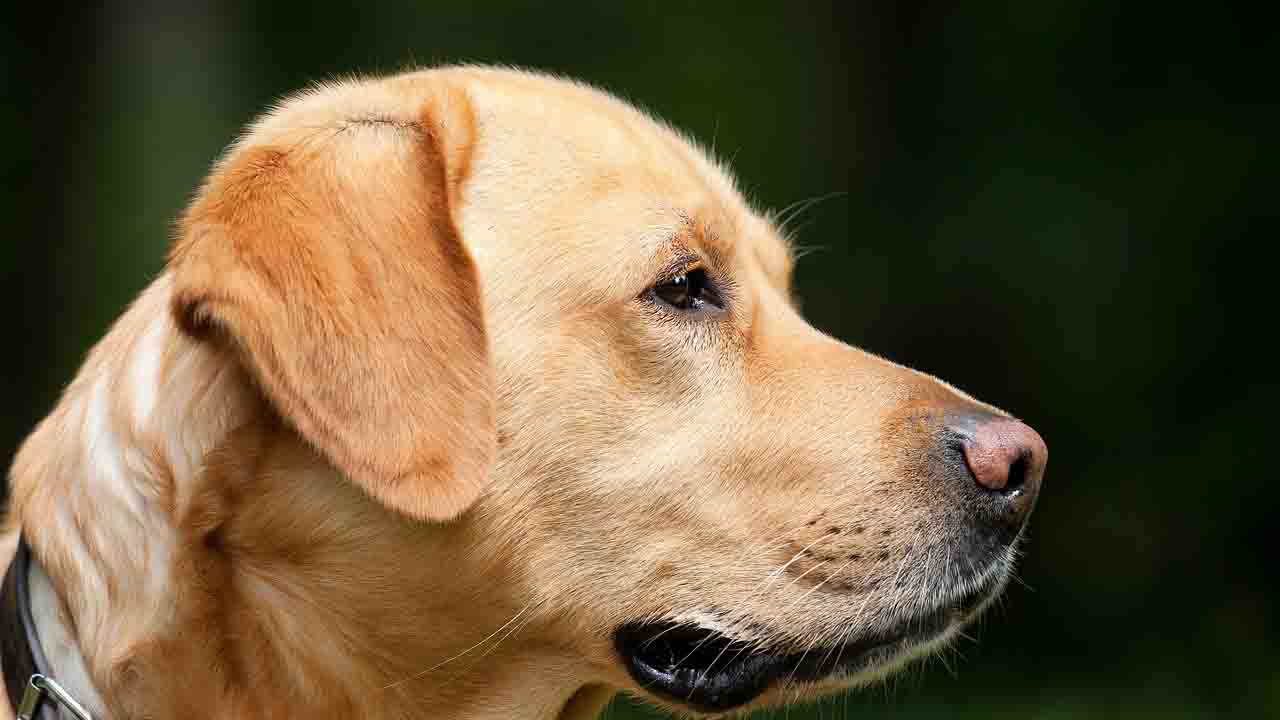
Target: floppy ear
[329,257]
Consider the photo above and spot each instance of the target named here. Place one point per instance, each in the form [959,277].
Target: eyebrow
[706,235]
[680,262]
[687,241]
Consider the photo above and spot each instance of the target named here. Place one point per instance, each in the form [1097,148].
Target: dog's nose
[1005,457]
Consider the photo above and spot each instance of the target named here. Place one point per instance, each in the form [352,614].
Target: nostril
[1017,476]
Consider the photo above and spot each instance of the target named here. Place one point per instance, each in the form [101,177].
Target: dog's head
[518,306]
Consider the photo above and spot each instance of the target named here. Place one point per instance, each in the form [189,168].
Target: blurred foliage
[1064,208]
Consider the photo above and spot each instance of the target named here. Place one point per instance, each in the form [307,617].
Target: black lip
[710,672]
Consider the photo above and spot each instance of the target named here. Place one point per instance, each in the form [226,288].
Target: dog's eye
[691,290]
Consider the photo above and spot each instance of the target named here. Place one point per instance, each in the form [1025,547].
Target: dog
[478,393]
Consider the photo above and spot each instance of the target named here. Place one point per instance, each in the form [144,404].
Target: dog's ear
[328,256]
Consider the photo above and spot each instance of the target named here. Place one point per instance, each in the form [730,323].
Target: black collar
[21,655]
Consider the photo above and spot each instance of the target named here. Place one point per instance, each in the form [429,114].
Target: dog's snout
[1005,458]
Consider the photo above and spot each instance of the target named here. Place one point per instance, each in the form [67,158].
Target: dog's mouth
[706,670]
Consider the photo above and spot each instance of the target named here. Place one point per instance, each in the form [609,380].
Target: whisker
[490,650]
[799,577]
[442,663]
[795,209]
[722,650]
[795,557]
[773,545]
[800,251]
[659,634]
[838,646]
[942,658]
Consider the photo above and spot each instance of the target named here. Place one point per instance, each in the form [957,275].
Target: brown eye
[687,291]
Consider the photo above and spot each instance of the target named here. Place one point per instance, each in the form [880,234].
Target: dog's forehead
[569,179]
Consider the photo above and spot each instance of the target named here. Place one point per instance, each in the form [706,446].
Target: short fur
[399,433]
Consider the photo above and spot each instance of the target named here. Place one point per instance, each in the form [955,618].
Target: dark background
[1064,208]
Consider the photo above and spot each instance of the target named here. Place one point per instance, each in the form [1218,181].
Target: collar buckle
[40,688]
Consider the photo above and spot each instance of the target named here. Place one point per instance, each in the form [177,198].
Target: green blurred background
[1067,209]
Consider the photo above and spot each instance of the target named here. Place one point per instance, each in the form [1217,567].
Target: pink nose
[1006,456]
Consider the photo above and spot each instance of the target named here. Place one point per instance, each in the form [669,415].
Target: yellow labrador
[475,393]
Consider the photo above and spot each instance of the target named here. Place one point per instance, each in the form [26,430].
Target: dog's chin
[702,669]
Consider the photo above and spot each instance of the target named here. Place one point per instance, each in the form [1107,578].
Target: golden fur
[397,435]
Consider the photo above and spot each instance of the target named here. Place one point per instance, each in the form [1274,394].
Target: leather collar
[21,655]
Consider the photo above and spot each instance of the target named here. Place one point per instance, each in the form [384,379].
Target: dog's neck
[57,644]
[203,556]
